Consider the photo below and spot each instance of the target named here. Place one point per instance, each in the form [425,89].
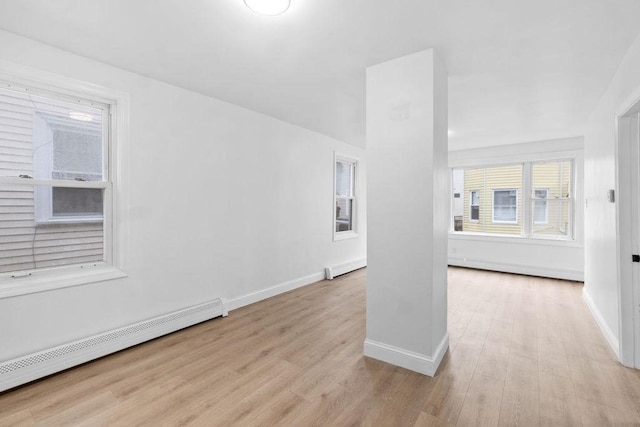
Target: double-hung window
[56,188]
[345,197]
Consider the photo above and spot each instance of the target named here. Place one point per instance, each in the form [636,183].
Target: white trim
[554,273]
[244,300]
[344,268]
[611,338]
[423,364]
[47,279]
[627,233]
[37,365]
[506,238]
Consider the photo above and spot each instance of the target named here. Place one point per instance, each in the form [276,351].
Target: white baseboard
[344,268]
[604,328]
[554,273]
[427,365]
[37,365]
[234,303]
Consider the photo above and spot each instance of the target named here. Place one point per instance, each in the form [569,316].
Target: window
[56,187]
[546,211]
[474,212]
[505,206]
[540,206]
[345,197]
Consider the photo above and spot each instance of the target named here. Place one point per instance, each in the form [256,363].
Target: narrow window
[345,196]
[474,212]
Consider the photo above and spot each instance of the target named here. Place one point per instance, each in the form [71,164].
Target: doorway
[628,230]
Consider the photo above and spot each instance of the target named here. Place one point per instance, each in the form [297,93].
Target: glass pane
[489,201]
[344,210]
[540,212]
[554,178]
[49,139]
[475,213]
[344,179]
[475,198]
[505,204]
[27,243]
[558,214]
[76,202]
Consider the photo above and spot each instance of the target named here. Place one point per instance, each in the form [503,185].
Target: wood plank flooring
[524,351]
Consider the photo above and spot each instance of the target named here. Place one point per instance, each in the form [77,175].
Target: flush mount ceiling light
[83,117]
[268,7]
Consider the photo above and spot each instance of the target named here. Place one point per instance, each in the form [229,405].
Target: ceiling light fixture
[83,117]
[268,7]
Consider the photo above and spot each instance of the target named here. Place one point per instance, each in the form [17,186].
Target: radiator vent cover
[30,367]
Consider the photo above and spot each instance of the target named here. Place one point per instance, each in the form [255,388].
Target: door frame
[627,125]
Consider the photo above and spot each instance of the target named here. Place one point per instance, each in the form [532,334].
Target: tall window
[531,199]
[54,180]
[345,196]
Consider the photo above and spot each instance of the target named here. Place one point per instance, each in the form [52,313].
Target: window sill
[515,239]
[70,220]
[56,278]
[344,235]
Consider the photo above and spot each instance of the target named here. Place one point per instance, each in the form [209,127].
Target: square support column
[408,207]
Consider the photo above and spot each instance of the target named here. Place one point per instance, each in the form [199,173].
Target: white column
[407,212]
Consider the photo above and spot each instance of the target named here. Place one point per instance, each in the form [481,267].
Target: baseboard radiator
[37,365]
[347,267]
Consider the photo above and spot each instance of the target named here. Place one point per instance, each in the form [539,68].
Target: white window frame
[19,78]
[572,154]
[536,199]
[471,205]
[348,234]
[493,205]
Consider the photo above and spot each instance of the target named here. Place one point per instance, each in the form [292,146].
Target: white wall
[558,259]
[601,281]
[223,202]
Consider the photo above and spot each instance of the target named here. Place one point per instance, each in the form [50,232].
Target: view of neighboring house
[51,142]
[532,199]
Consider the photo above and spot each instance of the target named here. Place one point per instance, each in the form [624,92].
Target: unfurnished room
[319,213]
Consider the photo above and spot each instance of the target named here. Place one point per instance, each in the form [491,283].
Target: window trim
[21,78]
[493,206]
[353,233]
[573,155]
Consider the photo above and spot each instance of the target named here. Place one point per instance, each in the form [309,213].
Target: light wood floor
[524,351]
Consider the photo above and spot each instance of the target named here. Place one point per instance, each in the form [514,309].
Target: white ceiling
[518,71]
